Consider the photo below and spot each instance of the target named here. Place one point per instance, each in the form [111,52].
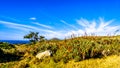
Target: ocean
[16,41]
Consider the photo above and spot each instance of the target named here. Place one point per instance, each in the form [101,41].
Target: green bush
[6,45]
[1,52]
[80,48]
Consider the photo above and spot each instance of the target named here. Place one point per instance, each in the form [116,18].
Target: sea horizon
[16,41]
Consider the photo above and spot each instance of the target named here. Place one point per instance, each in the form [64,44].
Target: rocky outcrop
[43,54]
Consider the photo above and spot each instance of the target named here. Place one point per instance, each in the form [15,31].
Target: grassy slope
[108,62]
[32,62]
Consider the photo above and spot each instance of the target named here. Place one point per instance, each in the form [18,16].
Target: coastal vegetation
[75,52]
[34,37]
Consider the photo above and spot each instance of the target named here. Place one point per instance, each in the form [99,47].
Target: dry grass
[108,62]
[70,50]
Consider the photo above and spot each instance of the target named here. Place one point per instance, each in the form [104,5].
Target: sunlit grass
[106,62]
[78,52]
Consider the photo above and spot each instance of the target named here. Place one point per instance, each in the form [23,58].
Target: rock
[105,52]
[43,54]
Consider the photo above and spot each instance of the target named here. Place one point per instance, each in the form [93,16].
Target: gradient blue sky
[58,18]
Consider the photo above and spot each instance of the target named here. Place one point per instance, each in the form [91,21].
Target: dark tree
[32,36]
[41,38]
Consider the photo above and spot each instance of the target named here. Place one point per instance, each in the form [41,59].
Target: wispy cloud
[68,24]
[100,28]
[33,18]
[11,36]
[13,25]
[10,18]
[24,27]
[46,26]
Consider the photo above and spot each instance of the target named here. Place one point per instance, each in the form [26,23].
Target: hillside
[77,52]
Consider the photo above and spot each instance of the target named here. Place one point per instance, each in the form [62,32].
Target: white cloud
[103,28]
[24,27]
[46,26]
[99,27]
[32,18]
[68,24]
[54,35]
[11,35]
[10,18]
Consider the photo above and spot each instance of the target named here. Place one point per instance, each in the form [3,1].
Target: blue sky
[58,18]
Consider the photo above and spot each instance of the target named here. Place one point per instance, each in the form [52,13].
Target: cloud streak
[11,36]
[68,24]
[33,18]
[46,26]
[103,28]
[98,27]
[23,27]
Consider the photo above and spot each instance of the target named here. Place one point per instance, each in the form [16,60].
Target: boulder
[43,54]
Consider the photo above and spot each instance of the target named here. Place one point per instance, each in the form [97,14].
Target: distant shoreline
[16,41]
